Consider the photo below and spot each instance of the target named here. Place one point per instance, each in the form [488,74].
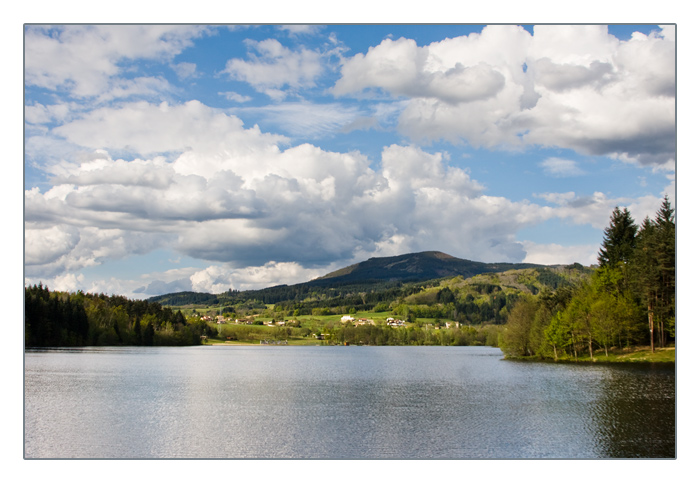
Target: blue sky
[161,158]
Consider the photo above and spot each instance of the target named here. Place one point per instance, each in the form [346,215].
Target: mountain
[375,273]
[413,267]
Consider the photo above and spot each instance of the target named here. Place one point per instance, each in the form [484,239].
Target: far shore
[634,354]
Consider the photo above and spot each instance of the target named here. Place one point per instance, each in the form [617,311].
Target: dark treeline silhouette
[56,319]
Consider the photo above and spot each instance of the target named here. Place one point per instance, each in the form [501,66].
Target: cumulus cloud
[271,66]
[46,244]
[217,279]
[594,210]
[145,128]
[555,254]
[232,195]
[64,248]
[401,68]
[574,87]
[186,178]
[83,59]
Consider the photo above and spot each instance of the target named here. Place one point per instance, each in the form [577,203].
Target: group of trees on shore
[60,319]
[628,301]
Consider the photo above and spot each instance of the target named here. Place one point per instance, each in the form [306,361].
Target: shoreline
[639,354]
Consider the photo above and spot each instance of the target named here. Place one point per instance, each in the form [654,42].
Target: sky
[164,158]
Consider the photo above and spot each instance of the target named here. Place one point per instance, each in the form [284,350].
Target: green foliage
[634,286]
[57,319]
[516,338]
[618,240]
[54,319]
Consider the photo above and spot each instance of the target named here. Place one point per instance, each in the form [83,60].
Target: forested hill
[373,274]
[413,267]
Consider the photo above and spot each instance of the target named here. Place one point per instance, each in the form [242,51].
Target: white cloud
[84,58]
[560,168]
[141,87]
[55,251]
[574,87]
[276,66]
[69,282]
[44,245]
[144,128]
[595,209]
[197,182]
[185,70]
[297,30]
[217,279]
[236,97]
[43,114]
[306,119]
[231,195]
[555,254]
[402,68]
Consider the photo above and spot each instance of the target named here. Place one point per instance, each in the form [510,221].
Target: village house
[395,322]
[364,321]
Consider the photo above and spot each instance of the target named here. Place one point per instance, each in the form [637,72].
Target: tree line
[59,319]
[628,301]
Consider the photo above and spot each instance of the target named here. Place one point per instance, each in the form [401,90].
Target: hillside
[373,274]
[413,267]
[414,279]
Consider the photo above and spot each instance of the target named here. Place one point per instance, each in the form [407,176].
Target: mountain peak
[412,267]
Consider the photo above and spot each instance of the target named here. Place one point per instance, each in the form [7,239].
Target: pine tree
[646,273]
[618,240]
[666,258]
[655,271]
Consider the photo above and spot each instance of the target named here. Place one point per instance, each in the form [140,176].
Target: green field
[319,330]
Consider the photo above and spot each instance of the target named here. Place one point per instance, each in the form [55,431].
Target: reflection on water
[340,402]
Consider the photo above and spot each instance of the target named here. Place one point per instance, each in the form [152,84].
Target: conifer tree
[618,239]
[655,271]
[666,259]
[646,274]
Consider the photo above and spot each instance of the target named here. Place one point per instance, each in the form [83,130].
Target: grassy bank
[292,341]
[634,354]
[639,354]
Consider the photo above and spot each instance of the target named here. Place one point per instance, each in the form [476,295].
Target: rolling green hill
[413,267]
[384,280]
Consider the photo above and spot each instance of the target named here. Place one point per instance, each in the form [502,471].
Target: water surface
[340,402]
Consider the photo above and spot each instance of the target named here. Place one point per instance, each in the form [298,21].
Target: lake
[337,402]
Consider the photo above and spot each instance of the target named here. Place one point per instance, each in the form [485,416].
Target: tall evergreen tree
[618,240]
[646,273]
[666,259]
[655,271]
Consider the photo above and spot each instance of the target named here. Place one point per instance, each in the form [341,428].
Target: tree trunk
[590,346]
[651,327]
